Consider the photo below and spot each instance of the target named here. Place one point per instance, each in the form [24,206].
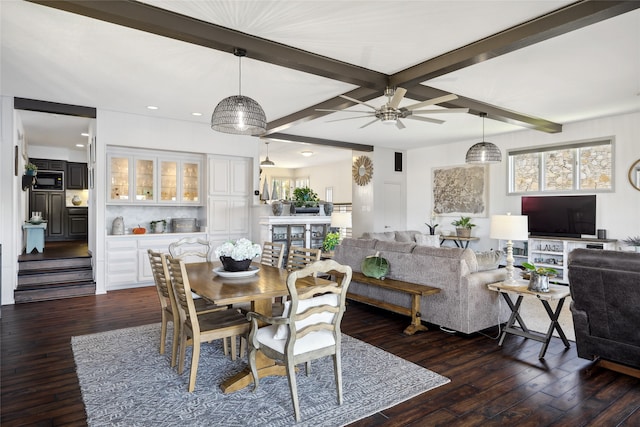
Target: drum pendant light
[239,114]
[484,152]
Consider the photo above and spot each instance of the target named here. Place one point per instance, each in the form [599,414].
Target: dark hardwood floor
[490,386]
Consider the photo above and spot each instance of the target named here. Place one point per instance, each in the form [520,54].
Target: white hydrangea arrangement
[239,250]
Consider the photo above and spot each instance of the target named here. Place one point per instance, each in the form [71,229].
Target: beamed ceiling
[513,60]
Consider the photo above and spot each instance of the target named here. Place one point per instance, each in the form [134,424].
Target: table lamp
[509,227]
[342,221]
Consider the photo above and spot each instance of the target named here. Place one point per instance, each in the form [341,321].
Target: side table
[556,292]
[461,242]
[35,236]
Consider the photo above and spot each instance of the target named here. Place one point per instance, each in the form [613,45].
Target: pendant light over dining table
[239,114]
[483,152]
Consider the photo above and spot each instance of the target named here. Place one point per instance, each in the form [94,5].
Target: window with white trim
[585,166]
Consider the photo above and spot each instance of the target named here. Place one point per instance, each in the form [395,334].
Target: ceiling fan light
[239,115]
[484,152]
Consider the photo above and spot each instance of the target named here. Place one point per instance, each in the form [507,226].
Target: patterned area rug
[125,382]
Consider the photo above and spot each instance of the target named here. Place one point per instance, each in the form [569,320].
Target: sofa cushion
[388,236]
[489,260]
[401,247]
[359,243]
[406,236]
[428,240]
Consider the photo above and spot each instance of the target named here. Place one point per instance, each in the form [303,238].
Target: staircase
[48,279]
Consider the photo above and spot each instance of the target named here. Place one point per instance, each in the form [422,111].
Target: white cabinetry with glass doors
[143,177]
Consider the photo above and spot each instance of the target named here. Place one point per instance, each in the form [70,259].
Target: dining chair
[272,254]
[169,310]
[196,329]
[301,257]
[191,249]
[308,330]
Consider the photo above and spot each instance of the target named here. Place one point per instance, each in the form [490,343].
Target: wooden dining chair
[198,328]
[301,257]
[272,254]
[308,330]
[191,249]
[168,307]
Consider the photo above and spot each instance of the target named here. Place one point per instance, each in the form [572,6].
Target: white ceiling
[57,56]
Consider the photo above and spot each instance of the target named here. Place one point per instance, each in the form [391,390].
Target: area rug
[126,382]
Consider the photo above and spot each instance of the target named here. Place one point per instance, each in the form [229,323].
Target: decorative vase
[30,172]
[76,200]
[231,264]
[117,227]
[328,208]
[463,232]
[277,207]
[538,283]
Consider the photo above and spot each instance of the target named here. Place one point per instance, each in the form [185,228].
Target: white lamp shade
[509,227]
[341,219]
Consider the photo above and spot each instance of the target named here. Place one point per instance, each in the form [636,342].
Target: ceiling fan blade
[397,97]
[348,98]
[425,119]
[433,101]
[349,118]
[399,124]
[370,123]
[342,111]
[441,110]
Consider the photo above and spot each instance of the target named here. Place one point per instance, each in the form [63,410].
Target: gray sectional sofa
[464,303]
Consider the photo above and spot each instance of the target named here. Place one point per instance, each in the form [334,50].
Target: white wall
[617,211]
[336,175]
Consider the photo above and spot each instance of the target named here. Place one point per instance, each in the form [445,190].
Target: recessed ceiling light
[196,114]
[84,134]
[307,153]
[80,145]
[152,107]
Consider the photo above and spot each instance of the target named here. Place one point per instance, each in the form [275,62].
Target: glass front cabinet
[167,179]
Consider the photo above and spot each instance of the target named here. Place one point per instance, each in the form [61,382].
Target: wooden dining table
[260,289]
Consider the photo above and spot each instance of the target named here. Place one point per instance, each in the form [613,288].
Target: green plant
[632,241]
[30,167]
[542,271]
[463,222]
[330,242]
[304,197]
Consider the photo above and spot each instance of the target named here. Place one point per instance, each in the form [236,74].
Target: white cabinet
[144,177]
[229,187]
[554,252]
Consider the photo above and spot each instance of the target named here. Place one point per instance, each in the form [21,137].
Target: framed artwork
[461,190]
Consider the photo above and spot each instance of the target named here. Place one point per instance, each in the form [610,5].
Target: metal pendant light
[239,114]
[484,152]
[266,163]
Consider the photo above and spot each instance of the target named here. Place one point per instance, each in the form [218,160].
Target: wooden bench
[416,291]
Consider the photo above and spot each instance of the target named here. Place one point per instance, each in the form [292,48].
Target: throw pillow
[282,333]
[488,260]
[428,240]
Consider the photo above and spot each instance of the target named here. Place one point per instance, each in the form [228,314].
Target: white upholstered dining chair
[308,330]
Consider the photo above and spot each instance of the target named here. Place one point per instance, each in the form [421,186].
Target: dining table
[259,289]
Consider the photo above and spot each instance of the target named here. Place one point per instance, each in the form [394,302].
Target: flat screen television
[560,216]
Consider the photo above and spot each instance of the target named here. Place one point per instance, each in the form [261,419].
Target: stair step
[55,291]
[47,264]
[46,277]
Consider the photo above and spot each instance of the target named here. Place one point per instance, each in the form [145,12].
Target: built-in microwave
[49,181]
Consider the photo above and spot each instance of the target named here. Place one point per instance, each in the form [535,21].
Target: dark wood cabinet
[50,165]
[77,176]
[77,223]
[52,206]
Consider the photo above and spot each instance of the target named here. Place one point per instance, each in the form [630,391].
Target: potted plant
[159,226]
[305,200]
[463,226]
[237,256]
[331,240]
[30,169]
[432,226]
[539,277]
[633,241]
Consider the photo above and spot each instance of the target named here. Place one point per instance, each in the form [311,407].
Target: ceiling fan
[391,112]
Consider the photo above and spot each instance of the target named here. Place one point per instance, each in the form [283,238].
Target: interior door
[393,214]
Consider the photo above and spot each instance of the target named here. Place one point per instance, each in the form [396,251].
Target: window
[574,167]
